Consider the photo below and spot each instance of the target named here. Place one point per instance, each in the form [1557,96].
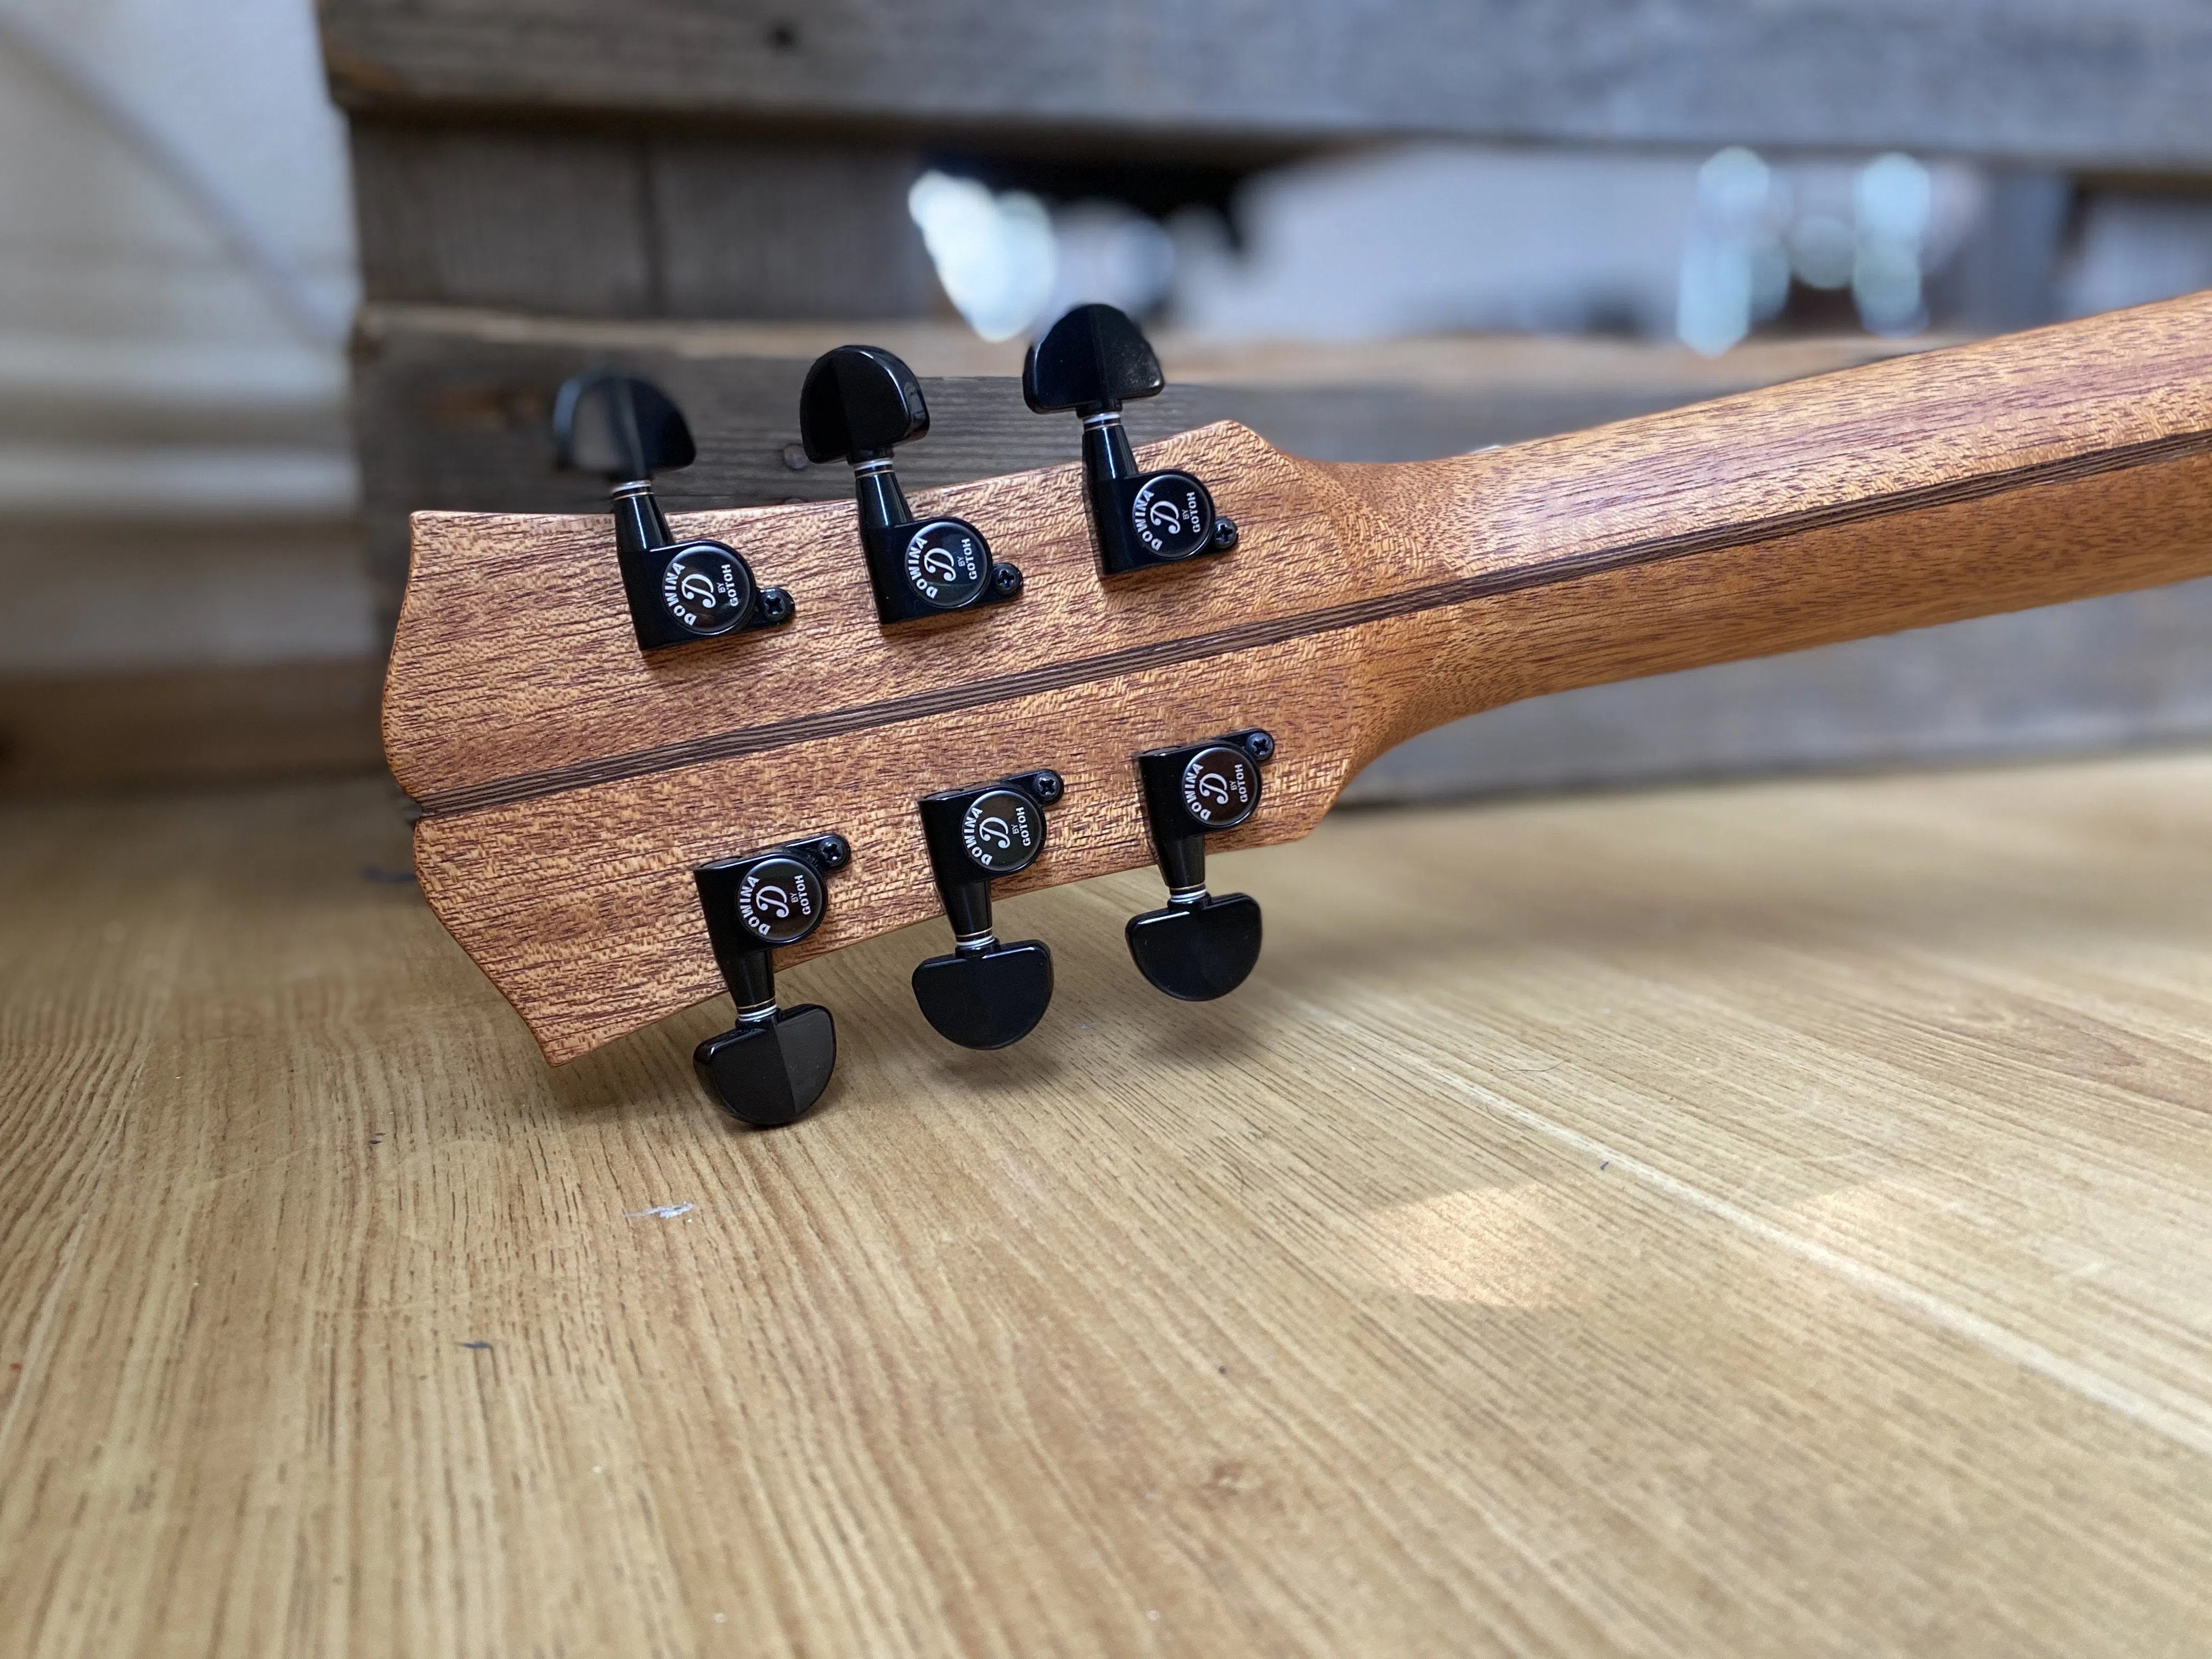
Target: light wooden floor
[1762,1221]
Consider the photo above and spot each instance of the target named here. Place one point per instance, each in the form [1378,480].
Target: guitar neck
[572,783]
[2058,464]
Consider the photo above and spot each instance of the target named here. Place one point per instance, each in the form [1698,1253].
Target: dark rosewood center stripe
[1249,637]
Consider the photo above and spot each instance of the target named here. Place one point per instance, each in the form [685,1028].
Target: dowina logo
[706,589]
[945,564]
[779,899]
[1172,514]
[1220,787]
[1002,832]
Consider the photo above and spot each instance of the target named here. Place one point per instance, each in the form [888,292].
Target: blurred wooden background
[713,197]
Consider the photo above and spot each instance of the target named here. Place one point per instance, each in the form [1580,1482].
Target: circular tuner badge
[1002,832]
[706,587]
[1172,515]
[946,564]
[1220,787]
[780,900]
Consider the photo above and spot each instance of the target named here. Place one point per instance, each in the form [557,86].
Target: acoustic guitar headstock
[656,758]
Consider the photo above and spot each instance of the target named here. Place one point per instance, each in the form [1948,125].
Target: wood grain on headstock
[569,785]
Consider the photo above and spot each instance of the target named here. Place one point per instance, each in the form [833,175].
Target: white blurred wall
[176,277]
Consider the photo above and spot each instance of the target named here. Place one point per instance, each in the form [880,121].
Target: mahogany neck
[2053,465]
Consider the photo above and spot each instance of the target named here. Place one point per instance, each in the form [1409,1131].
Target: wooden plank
[198,723]
[451,405]
[1760,1221]
[2073,82]
[756,228]
[550,222]
[615,223]
[144,590]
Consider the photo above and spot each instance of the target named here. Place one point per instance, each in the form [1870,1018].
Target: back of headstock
[575,774]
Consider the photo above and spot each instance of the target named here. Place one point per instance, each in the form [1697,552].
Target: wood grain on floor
[1774,1219]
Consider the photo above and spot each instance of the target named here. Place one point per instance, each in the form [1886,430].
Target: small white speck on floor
[665,1212]
[1152,1612]
[595,1468]
[721,1618]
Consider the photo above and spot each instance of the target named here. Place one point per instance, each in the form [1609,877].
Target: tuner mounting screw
[1005,580]
[1225,533]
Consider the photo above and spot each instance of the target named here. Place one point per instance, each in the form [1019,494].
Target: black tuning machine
[627,429]
[1203,945]
[1092,361]
[858,404]
[985,994]
[769,1068]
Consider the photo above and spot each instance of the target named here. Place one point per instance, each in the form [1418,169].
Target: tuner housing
[919,568]
[678,593]
[771,1066]
[857,403]
[1142,519]
[985,994]
[1203,945]
[1091,361]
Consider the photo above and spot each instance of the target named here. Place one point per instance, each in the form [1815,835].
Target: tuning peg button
[1198,948]
[774,1064]
[1092,361]
[985,994]
[1202,946]
[628,429]
[766,1074]
[858,403]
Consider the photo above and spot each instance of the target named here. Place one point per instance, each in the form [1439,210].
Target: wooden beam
[2104,83]
[189,725]
[450,405]
[597,224]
